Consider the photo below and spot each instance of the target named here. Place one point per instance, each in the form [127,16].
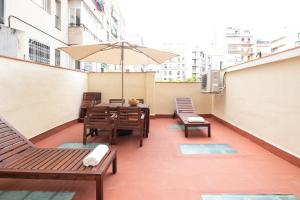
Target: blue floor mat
[80,145]
[249,197]
[35,195]
[193,149]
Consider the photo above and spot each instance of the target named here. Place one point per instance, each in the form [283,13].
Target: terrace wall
[263,99]
[36,98]
[160,96]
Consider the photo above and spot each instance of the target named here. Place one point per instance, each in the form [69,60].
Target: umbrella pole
[122,65]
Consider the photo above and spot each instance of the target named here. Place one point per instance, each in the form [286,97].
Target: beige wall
[36,98]
[264,100]
[109,84]
[167,92]
[160,96]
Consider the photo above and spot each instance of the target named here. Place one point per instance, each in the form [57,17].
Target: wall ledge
[280,56]
[42,64]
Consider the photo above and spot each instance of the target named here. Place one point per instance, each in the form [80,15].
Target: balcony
[79,34]
[257,115]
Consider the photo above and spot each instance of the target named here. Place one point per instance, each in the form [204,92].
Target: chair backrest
[184,105]
[129,117]
[12,142]
[116,100]
[141,100]
[97,115]
[90,99]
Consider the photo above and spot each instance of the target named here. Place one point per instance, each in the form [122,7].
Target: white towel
[95,156]
[196,119]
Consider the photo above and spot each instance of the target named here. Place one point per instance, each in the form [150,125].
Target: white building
[178,68]
[238,46]
[262,48]
[56,23]
[287,39]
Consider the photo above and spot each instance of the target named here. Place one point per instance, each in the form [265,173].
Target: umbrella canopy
[118,53]
[111,53]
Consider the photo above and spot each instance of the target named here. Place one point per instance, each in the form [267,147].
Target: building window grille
[57,57]
[1,11]
[39,52]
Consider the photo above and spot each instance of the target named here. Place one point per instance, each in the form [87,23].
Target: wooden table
[145,108]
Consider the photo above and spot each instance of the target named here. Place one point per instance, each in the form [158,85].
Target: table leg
[208,130]
[186,131]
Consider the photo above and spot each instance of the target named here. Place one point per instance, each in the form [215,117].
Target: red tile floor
[159,171]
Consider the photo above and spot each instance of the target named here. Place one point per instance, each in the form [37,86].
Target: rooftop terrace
[159,170]
[257,115]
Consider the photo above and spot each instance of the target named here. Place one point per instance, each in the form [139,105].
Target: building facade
[239,45]
[178,68]
[287,39]
[57,23]
[262,48]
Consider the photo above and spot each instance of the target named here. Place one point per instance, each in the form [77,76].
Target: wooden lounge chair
[19,158]
[184,110]
[89,99]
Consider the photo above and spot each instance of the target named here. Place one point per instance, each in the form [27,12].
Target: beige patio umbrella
[118,53]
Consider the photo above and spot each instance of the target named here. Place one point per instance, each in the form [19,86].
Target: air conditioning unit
[211,82]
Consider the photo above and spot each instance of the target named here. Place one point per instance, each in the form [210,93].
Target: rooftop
[159,170]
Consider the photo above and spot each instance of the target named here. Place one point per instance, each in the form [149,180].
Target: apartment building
[178,68]
[287,39]
[239,45]
[262,48]
[56,23]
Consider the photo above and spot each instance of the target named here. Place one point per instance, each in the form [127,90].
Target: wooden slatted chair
[130,118]
[98,118]
[116,100]
[19,158]
[184,110]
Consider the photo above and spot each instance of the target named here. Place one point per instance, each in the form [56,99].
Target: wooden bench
[184,110]
[19,158]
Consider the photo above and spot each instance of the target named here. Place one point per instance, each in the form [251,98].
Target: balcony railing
[57,22]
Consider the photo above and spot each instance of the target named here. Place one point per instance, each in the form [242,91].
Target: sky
[202,22]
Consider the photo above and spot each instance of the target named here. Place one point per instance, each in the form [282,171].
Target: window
[44,4]
[1,11]
[170,73]
[39,52]
[77,64]
[178,73]
[183,65]
[57,57]
[75,16]
[58,15]
[166,73]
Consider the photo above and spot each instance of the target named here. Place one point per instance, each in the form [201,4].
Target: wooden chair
[116,100]
[19,158]
[130,118]
[98,118]
[184,110]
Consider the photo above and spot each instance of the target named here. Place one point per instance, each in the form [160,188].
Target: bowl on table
[133,102]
